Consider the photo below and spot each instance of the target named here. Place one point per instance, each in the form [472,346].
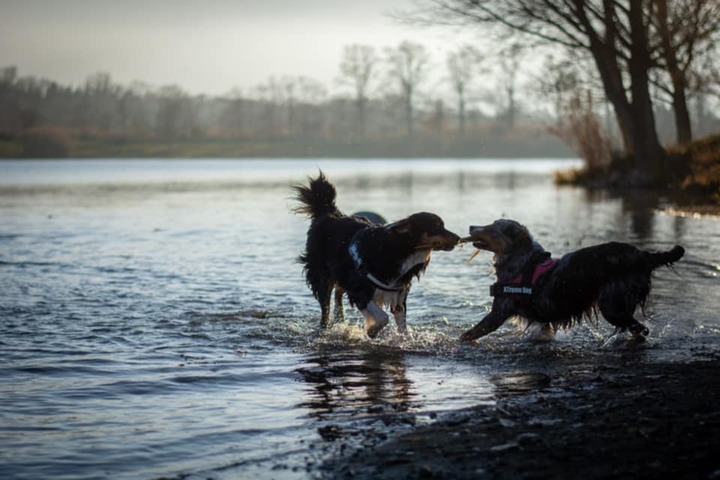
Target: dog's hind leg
[617,306]
[338,308]
[375,319]
[324,297]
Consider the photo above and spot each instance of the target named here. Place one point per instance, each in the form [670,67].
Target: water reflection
[356,384]
[519,383]
[638,207]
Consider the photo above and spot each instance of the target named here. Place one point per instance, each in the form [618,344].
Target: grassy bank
[57,143]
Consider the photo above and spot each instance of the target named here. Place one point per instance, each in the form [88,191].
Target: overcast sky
[204,46]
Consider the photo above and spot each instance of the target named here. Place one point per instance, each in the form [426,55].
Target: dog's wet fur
[612,278]
[373,264]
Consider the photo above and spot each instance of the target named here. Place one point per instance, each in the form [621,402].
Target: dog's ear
[520,237]
[400,227]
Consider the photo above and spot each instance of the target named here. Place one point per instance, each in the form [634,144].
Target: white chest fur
[417,258]
[391,299]
[386,299]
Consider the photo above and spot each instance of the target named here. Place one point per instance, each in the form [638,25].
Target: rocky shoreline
[629,420]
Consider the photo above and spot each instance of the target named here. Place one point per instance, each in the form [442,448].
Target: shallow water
[154,323]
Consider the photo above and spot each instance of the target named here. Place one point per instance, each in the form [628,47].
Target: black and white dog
[374,265]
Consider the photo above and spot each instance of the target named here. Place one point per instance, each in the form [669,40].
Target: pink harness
[518,287]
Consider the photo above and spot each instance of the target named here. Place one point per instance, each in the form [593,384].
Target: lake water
[154,322]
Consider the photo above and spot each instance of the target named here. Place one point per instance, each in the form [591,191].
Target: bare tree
[288,86]
[510,63]
[685,31]
[234,115]
[176,115]
[8,75]
[407,64]
[309,94]
[269,95]
[463,65]
[357,70]
[614,32]
[101,98]
[577,124]
[98,83]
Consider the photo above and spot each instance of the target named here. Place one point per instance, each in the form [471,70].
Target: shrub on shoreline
[45,142]
[691,173]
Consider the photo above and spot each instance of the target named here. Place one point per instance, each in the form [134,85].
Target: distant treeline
[290,116]
[41,118]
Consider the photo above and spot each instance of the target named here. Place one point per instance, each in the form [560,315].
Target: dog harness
[355,255]
[522,285]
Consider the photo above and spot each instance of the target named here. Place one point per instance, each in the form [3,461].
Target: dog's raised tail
[660,259]
[315,199]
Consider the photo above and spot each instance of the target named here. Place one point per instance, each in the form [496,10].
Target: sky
[204,46]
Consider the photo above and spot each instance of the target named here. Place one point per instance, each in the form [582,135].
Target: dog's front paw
[469,336]
[373,331]
[375,319]
[639,330]
[373,326]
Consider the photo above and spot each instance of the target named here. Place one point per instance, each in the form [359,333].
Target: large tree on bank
[616,33]
[686,34]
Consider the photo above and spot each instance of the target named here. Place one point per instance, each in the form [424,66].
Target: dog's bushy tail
[317,198]
[660,259]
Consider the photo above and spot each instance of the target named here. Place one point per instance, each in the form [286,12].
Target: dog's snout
[477,229]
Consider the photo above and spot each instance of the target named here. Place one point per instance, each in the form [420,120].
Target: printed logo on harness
[519,285]
[510,290]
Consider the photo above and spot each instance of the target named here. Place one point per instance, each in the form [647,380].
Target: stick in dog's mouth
[461,243]
[439,246]
[465,240]
[475,254]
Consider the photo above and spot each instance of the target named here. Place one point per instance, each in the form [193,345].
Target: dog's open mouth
[446,247]
[438,242]
[437,246]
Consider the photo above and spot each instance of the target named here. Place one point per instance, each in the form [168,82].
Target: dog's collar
[355,255]
[523,285]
